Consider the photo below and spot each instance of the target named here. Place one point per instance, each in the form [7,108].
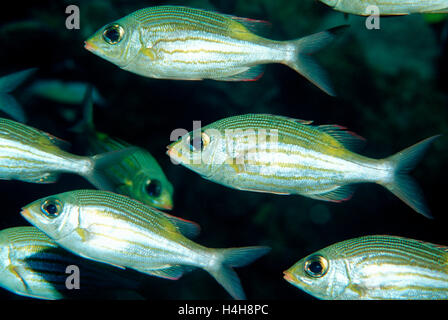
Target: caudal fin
[235,257]
[403,185]
[86,124]
[304,64]
[97,175]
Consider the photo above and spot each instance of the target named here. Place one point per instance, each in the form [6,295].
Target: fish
[281,155]
[388,7]
[373,268]
[31,155]
[183,43]
[138,176]
[32,265]
[120,231]
[68,92]
[9,104]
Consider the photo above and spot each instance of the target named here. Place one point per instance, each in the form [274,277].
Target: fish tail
[223,271]
[86,124]
[302,62]
[96,175]
[403,185]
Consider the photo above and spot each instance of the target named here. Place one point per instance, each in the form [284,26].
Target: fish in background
[117,230]
[31,155]
[175,42]
[374,267]
[33,265]
[138,176]
[388,7]
[281,155]
[67,92]
[8,104]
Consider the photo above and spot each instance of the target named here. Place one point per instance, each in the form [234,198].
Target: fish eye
[316,266]
[198,144]
[51,208]
[113,34]
[153,188]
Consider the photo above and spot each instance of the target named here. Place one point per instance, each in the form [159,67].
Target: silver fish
[388,7]
[33,265]
[374,267]
[30,155]
[174,42]
[114,229]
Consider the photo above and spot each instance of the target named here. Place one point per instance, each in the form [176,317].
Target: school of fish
[120,225]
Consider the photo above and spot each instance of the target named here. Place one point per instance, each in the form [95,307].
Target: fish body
[275,154]
[138,176]
[374,268]
[388,7]
[123,232]
[174,42]
[28,154]
[33,265]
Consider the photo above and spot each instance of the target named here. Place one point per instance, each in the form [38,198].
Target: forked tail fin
[235,257]
[403,185]
[97,175]
[303,63]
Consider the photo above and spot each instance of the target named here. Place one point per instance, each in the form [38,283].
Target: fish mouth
[173,153]
[288,277]
[90,46]
[26,213]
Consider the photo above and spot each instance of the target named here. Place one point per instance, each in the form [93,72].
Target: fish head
[57,216]
[117,42]
[155,191]
[331,3]
[202,151]
[319,275]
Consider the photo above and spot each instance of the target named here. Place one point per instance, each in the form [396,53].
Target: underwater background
[391,87]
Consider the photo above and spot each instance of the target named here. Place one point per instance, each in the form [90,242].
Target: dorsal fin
[58,142]
[301,121]
[188,228]
[348,139]
[258,27]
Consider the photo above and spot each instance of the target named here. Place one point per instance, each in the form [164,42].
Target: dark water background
[391,86]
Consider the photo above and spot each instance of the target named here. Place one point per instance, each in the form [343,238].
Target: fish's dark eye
[316,266]
[51,208]
[199,143]
[113,34]
[154,188]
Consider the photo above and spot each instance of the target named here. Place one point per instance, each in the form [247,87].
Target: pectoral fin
[149,53]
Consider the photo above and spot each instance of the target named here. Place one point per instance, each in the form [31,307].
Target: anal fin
[244,74]
[172,272]
[340,194]
[47,177]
